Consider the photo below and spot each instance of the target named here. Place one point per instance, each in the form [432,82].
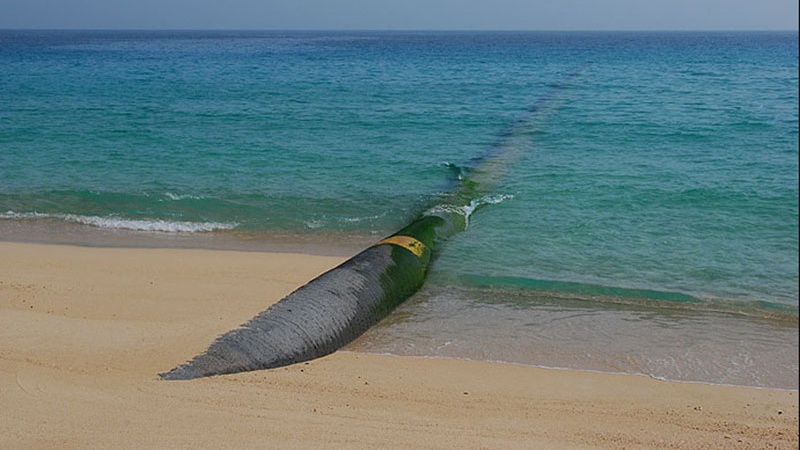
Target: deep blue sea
[644,219]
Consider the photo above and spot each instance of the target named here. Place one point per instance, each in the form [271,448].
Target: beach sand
[85,331]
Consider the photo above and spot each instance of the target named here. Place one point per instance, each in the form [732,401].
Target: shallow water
[620,335]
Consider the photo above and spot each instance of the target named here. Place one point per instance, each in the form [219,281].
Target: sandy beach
[85,331]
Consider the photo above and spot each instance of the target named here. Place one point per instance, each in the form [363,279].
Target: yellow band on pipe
[407,242]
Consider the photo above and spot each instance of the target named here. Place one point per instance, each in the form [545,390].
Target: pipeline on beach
[341,304]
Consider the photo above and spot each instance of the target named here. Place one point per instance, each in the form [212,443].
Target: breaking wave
[158,225]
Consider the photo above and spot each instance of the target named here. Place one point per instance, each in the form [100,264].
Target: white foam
[329,220]
[467,210]
[171,196]
[127,224]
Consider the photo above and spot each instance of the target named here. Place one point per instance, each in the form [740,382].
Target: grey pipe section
[328,312]
[341,304]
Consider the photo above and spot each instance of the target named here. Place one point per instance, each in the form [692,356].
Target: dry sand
[85,331]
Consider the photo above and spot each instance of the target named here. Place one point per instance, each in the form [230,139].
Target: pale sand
[85,331]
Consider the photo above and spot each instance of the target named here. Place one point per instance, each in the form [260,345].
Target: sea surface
[645,220]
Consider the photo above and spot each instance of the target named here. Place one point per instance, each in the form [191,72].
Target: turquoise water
[652,182]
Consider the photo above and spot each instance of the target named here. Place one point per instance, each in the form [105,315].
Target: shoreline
[86,330]
[47,232]
[275,244]
[567,369]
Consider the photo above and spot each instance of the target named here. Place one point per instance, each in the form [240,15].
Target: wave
[559,291]
[156,225]
[467,210]
[177,197]
[336,221]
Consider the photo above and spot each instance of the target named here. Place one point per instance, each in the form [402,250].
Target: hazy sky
[404,14]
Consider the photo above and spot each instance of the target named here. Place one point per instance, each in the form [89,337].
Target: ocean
[645,218]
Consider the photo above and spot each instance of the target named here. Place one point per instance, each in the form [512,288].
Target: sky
[402,14]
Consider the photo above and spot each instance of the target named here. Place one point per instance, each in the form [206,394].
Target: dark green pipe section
[341,304]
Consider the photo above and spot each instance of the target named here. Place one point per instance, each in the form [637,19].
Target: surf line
[333,309]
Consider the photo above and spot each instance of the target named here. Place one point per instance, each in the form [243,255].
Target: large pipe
[341,304]
[329,311]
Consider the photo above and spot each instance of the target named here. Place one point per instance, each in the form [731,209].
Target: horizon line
[423,30]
